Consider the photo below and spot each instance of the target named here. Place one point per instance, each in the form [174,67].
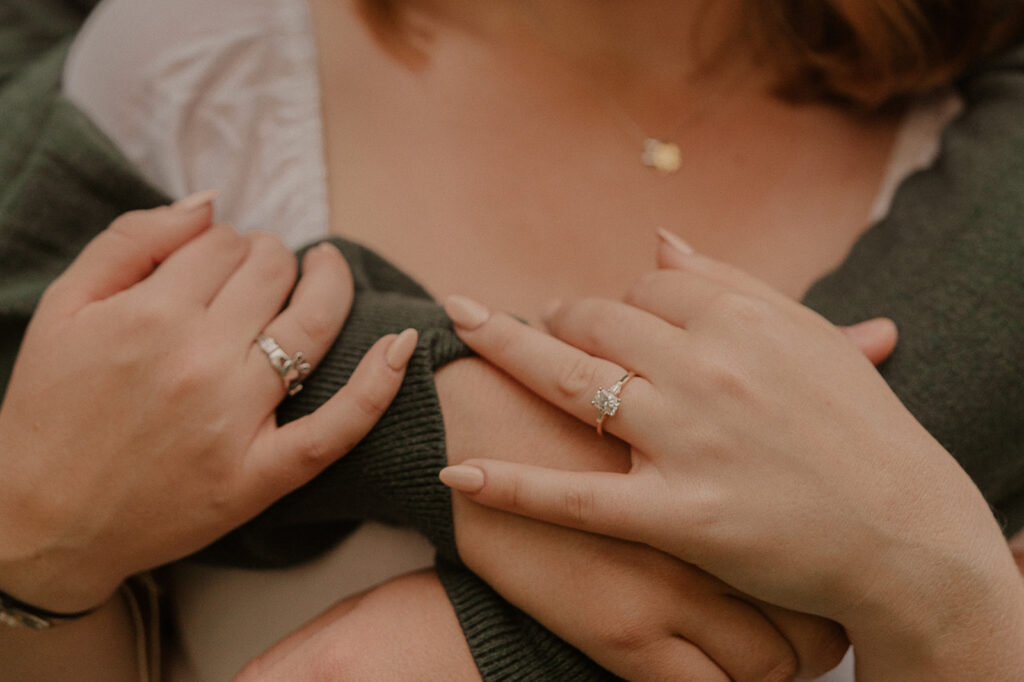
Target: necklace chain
[662,155]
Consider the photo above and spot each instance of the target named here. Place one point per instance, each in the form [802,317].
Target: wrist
[40,569]
[45,586]
[45,576]
[961,619]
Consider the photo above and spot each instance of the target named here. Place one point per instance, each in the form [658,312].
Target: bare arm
[404,629]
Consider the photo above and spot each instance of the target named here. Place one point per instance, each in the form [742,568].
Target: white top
[224,94]
[208,94]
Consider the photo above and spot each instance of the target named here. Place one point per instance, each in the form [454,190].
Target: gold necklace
[662,155]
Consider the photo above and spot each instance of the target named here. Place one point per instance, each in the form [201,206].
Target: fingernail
[463,477]
[401,349]
[550,309]
[465,312]
[197,200]
[675,241]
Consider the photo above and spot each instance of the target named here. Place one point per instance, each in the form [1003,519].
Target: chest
[480,179]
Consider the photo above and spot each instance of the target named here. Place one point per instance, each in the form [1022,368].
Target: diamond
[605,401]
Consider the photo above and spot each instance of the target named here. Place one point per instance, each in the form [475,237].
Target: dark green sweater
[946,265]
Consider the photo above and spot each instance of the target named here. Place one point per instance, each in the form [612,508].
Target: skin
[845,170]
[157,317]
[581,200]
[927,565]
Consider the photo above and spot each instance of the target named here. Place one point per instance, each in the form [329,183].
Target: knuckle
[318,323]
[723,375]
[588,315]
[741,309]
[577,378]
[191,375]
[370,404]
[276,261]
[515,493]
[312,451]
[502,340]
[578,503]
[649,286]
[150,318]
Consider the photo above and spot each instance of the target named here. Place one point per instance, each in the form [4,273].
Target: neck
[653,58]
[617,40]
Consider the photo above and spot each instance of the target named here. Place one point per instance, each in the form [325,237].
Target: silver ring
[292,369]
[607,400]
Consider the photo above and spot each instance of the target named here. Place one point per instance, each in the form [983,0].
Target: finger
[565,376]
[674,658]
[597,502]
[819,644]
[876,338]
[283,459]
[127,251]
[673,253]
[310,323]
[628,336]
[256,291]
[196,272]
[738,637]
[678,297]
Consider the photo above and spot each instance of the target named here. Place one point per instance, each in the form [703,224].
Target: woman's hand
[139,424]
[765,449]
[634,610]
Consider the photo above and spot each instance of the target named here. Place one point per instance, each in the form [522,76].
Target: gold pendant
[665,156]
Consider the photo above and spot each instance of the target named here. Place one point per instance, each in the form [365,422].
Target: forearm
[100,646]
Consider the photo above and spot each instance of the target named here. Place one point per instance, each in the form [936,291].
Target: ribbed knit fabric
[946,265]
[391,475]
[62,181]
[499,633]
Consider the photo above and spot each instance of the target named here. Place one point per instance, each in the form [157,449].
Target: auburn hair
[868,53]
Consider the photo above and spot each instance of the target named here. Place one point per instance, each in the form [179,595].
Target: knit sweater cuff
[391,475]
[506,643]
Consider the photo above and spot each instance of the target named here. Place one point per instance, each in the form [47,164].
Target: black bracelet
[17,613]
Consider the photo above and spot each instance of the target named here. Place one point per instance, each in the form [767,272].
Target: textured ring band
[293,369]
[607,400]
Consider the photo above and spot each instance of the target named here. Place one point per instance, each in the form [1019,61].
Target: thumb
[876,338]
